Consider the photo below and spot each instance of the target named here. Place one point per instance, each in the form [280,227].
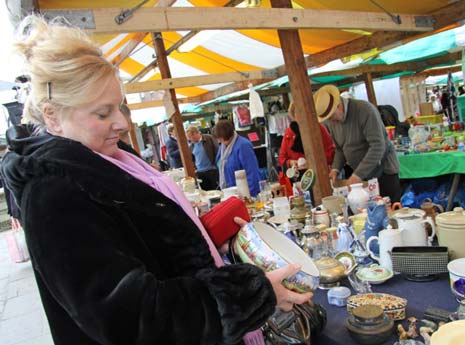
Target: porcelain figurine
[403,335]
[344,238]
[412,327]
[425,333]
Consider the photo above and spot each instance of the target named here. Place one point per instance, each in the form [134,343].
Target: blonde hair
[67,69]
[192,130]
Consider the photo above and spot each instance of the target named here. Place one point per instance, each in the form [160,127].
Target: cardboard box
[426,108]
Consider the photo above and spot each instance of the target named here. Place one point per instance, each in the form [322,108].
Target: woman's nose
[120,123]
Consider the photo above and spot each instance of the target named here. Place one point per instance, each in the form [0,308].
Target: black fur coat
[117,262]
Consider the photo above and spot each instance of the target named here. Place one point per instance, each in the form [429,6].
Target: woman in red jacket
[292,148]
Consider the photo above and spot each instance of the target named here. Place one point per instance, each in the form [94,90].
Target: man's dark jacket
[117,262]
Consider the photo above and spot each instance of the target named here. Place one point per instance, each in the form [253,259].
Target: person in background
[361,140]
[204,149]
[235,153]
[461,91]
[118,253]
[436,104]
[125,142]
[172,149]
[292,148]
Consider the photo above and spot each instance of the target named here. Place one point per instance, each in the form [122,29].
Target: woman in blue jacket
[235,153]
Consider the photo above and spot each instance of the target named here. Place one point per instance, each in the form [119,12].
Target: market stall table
[420,295]
[432,164]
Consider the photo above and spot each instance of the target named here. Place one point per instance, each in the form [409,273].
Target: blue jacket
[174,156]
[242,158]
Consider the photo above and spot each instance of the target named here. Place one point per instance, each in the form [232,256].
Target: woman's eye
[102,116]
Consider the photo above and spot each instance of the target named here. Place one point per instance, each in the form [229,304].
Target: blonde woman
[118,253]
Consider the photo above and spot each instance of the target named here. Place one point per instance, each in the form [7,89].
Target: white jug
[415,233]
[357,198]
[387,239]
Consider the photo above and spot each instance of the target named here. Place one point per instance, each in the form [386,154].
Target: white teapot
[415,232]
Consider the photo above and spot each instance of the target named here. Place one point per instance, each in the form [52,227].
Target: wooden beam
[152,104]
[305,108]
[370,89]
[128,48]
[147,19]
[176,119]
[397,67]
[440,71]
[165,84]
[225,90]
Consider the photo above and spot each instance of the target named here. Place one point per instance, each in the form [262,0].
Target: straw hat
[326,101]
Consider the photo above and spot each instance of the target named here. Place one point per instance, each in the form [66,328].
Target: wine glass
[458,289]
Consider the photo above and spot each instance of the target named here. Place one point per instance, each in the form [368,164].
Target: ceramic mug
[292,173]
[321,217]
[387,239]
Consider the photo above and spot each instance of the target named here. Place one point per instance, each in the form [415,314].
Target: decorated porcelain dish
[261,245]
[374,274]
[392,305]
[212,193]
[452,333]
[307,180]
[279,219]
[347,259]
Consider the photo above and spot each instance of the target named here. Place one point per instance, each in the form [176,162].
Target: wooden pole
[133,137]
[176,118]
[305,108]
[370,89]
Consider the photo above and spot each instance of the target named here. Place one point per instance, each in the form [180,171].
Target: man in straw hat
[361,140]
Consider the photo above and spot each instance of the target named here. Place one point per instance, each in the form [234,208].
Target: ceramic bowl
[259,244]
[452,333]
[347,259]
[393,306]
[333,203]
[374,274]
[456,270]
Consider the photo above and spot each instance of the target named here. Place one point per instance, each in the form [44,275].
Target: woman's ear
[52,121]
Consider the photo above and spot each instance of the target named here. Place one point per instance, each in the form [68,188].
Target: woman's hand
[286,298]
[224,248]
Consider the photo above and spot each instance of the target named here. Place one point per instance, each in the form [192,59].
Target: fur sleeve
[244,296]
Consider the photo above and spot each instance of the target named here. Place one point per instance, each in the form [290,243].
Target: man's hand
[333,175]
[353,179]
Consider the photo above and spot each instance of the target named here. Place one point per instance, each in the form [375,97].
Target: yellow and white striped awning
[228,51]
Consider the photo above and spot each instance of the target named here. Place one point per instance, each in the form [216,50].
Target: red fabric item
[163,153]
[286,153]
[284,181]
[219,221]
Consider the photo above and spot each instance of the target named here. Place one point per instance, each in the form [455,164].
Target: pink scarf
[164,184]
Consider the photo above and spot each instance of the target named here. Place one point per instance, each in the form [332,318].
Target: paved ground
[22,318]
